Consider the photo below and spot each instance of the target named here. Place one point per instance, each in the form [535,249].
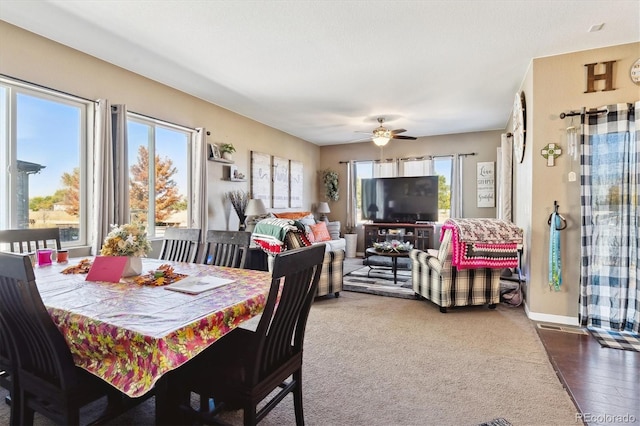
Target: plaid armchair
[437,280]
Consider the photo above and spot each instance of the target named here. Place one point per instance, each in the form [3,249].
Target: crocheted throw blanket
[270,234]
[483,243]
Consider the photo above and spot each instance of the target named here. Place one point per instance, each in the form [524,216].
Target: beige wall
[29,57]
[551,85]
[554,85]
[484,144]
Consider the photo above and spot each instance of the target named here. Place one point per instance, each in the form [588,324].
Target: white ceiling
[323,70]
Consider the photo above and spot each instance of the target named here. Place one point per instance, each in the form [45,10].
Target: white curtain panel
[384,169]
[422,167]
[456,186]
[351,198]
[110,171]
[505,178]
[199,204]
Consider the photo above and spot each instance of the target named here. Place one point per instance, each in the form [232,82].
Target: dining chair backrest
[42,360]
[226,248]
[180,244]
[280,332]
[29,240]
[47,379]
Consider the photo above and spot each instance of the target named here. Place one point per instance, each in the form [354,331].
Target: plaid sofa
[435,279]
[332,265]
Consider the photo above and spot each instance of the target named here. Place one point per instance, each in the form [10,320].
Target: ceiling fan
[381,135]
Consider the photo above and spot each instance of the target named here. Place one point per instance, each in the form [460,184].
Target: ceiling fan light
[381,140]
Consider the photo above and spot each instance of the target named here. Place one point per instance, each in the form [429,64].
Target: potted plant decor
[226,149]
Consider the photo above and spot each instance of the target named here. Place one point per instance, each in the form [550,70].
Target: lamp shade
[323,207]
[255,207]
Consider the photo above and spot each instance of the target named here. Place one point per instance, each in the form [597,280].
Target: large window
[158,195]
[439,166]
[43,139]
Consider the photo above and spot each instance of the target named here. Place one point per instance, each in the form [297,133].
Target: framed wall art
[485,180]
[295,183]
[261,177]
[214,152]
[280,182]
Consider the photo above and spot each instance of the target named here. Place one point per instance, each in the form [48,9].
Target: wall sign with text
[486,183]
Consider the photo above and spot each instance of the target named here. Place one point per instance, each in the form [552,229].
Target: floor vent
[565,329]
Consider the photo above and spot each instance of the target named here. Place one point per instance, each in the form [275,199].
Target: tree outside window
[158,195]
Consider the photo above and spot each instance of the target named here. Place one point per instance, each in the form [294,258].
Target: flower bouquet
[127,240]
[393,246]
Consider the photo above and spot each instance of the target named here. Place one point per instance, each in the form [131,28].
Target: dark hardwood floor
[603,382]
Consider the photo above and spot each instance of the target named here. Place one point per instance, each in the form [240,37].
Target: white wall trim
[554,319]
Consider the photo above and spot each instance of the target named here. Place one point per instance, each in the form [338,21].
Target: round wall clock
[519,126]
[634,72]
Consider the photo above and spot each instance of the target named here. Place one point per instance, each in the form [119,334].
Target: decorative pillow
[320,232]
[307,220]
[309,233]
[334,229]
[291,215]
[294,240]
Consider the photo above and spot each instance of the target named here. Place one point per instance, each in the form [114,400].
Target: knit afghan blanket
[270,234]
[483,243]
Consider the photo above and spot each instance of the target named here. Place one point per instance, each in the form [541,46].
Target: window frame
[154,124]
[8,156]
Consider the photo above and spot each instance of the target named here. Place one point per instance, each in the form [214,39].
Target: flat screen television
[400,199]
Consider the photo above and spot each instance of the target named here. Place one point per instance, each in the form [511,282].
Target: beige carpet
[372,360]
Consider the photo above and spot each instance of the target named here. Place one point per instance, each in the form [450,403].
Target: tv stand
[421,235]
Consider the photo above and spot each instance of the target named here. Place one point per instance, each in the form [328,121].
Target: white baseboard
[554,319]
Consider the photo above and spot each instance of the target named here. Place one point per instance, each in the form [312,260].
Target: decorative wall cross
[551,152]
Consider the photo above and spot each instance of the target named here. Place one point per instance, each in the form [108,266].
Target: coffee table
[394,255]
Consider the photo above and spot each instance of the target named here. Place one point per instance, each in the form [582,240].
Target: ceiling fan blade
[397,131]
[360,140]
[359,131]
[413,138]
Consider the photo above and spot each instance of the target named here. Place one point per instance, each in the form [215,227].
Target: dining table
[132,333]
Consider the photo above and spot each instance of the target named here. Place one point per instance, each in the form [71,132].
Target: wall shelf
[234,180]
[220,160]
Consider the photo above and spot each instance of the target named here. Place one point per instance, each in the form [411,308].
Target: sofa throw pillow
[307,220]
[334,229]
[320,232]
[291,215]
[296,239]
[309,233]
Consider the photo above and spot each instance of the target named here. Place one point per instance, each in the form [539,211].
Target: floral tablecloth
[130,335]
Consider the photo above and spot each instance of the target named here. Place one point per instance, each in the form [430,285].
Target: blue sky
[48,134]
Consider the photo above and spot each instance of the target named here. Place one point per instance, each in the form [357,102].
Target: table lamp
[323,209]
[255,207]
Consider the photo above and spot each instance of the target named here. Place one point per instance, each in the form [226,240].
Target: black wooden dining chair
[29,240]
[180,244]
[47,380]
[244,366]
[226,248]
[7,376]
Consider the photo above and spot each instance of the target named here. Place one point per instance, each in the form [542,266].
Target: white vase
[133,266]
[227,156]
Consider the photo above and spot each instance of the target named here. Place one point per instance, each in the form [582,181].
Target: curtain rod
[413,158]
[583,112]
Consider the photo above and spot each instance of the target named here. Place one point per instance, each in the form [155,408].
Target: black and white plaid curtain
[610,272]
